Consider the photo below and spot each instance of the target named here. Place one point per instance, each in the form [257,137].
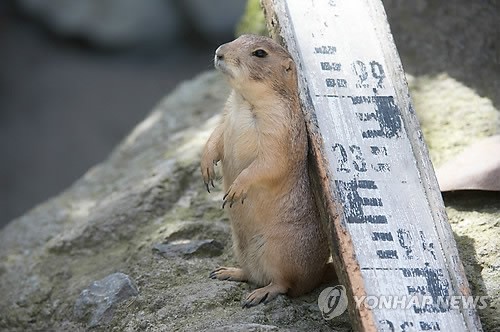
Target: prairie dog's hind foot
[264,295]
[228,273]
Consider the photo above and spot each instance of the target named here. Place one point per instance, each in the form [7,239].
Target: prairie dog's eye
[260,53]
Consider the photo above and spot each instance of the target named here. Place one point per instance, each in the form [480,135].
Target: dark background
[65,101]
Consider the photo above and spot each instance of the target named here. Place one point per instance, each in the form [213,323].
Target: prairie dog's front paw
[228,273]
[207,170]
[237,192]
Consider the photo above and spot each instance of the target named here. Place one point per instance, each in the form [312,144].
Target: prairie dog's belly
[241,140]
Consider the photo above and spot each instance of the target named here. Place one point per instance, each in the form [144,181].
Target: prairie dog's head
[257,67]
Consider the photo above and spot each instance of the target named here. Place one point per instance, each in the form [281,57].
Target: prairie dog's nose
[219,53]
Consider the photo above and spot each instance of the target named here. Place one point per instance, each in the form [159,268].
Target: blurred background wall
[76,76]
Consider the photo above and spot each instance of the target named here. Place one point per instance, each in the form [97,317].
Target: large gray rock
[145,212]
[96,304]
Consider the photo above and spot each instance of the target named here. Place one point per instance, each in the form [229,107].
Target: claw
[224,198]
[251,303]
[208,188]
[224,204]
[213,274]
[212,182]
[232,200]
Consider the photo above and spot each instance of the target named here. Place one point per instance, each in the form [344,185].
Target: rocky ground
[129,246]
[143,212]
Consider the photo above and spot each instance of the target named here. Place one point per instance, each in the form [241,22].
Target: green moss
[253,21]
[451,114]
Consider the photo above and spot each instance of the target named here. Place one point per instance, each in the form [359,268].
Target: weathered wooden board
[389,232]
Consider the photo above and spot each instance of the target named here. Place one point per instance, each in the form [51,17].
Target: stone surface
[96,304]
[150,191]
[245,328]
[188,248]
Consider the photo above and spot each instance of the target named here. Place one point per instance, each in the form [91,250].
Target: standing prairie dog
[262,144]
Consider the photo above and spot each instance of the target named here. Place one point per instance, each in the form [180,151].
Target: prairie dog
[262,144]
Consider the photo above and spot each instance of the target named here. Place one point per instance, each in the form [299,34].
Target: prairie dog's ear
[288,65]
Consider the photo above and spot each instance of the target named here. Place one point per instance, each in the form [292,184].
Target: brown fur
[262,144]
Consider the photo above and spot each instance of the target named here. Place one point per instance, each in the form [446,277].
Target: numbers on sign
[325,49]
[377,72]
[361,71]
[406,242]
[427,246]
[339,82]
[342,158]
[358,161]
[330,66]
